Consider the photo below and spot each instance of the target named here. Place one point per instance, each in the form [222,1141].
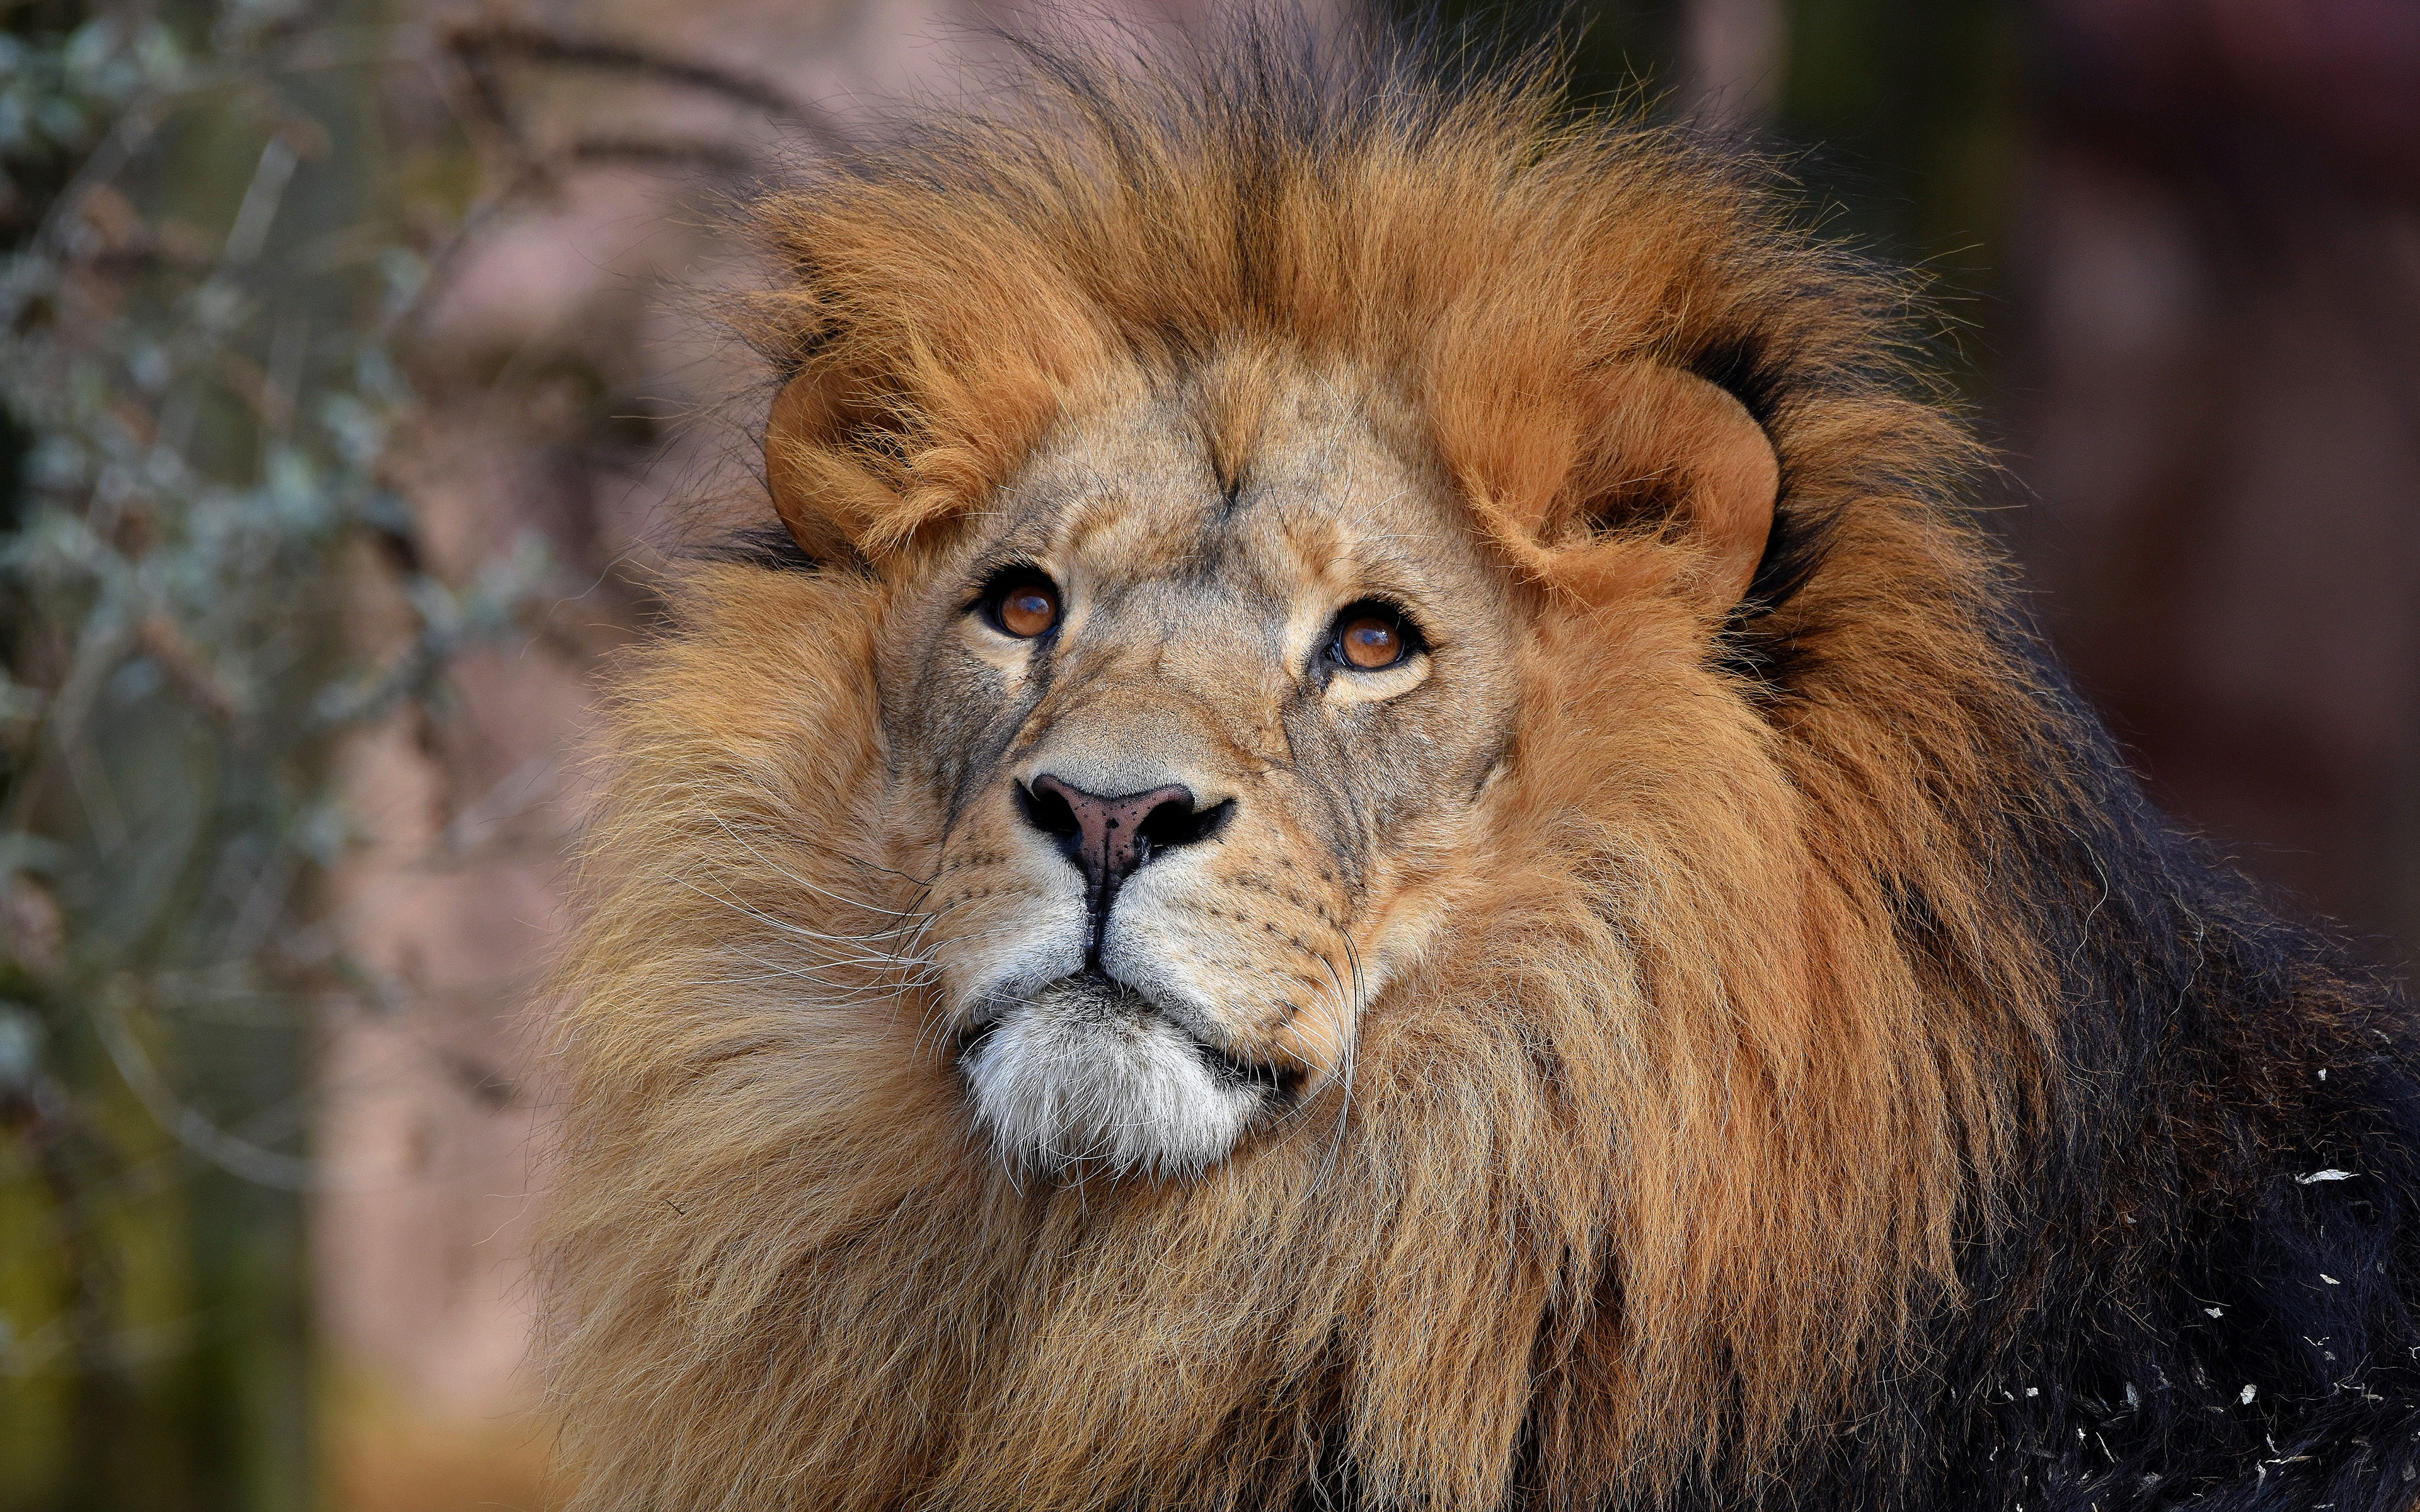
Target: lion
[1376,837]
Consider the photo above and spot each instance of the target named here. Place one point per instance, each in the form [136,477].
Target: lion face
[1196,713]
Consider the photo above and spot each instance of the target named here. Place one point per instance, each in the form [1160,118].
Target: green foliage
[60,92]
[206,271]
[1913,111]
[1617,51]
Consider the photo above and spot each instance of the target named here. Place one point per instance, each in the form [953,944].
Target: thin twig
[476,42]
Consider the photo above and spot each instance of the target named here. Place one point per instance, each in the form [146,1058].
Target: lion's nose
[1110,839]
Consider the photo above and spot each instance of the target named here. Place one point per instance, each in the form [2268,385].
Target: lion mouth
[1089,1070]
[1094,992]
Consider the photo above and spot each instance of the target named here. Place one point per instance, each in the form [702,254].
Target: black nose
[1110,839]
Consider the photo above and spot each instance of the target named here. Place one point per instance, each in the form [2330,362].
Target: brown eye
[1370,644]
[1026,607]
[1372,637]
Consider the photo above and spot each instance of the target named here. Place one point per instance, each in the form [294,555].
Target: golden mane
[1671,1139]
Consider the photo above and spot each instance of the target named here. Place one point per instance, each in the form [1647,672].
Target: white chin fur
[1069,1080]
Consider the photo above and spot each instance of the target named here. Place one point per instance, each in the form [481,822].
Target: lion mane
[1833,1085]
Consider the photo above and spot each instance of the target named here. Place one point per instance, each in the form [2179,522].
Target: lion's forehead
[1131,504]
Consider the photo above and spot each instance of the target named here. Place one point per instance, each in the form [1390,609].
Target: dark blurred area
[2212,387]
[357,378]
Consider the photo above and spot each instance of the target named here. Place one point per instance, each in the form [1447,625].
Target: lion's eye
[1023,604]
[1372,637]
[1370,644]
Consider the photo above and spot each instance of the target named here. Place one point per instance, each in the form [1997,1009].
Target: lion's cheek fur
[1796,1127]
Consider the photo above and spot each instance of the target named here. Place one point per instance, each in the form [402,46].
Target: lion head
[1206,710]
[1350,856]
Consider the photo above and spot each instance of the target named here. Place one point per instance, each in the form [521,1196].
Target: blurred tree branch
[215,277]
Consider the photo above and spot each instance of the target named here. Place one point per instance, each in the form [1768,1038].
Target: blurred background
[357,373]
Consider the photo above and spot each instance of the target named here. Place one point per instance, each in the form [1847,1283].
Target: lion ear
[1673,450]
[825,460]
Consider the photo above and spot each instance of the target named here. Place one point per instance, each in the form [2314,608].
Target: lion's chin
[1086,1075]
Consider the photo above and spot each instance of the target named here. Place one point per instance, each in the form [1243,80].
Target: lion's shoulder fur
[1960,1161]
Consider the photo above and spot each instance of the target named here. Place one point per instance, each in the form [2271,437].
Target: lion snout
[1109,839]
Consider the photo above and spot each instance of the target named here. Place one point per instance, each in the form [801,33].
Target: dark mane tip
[1753,648]
[1746,367]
